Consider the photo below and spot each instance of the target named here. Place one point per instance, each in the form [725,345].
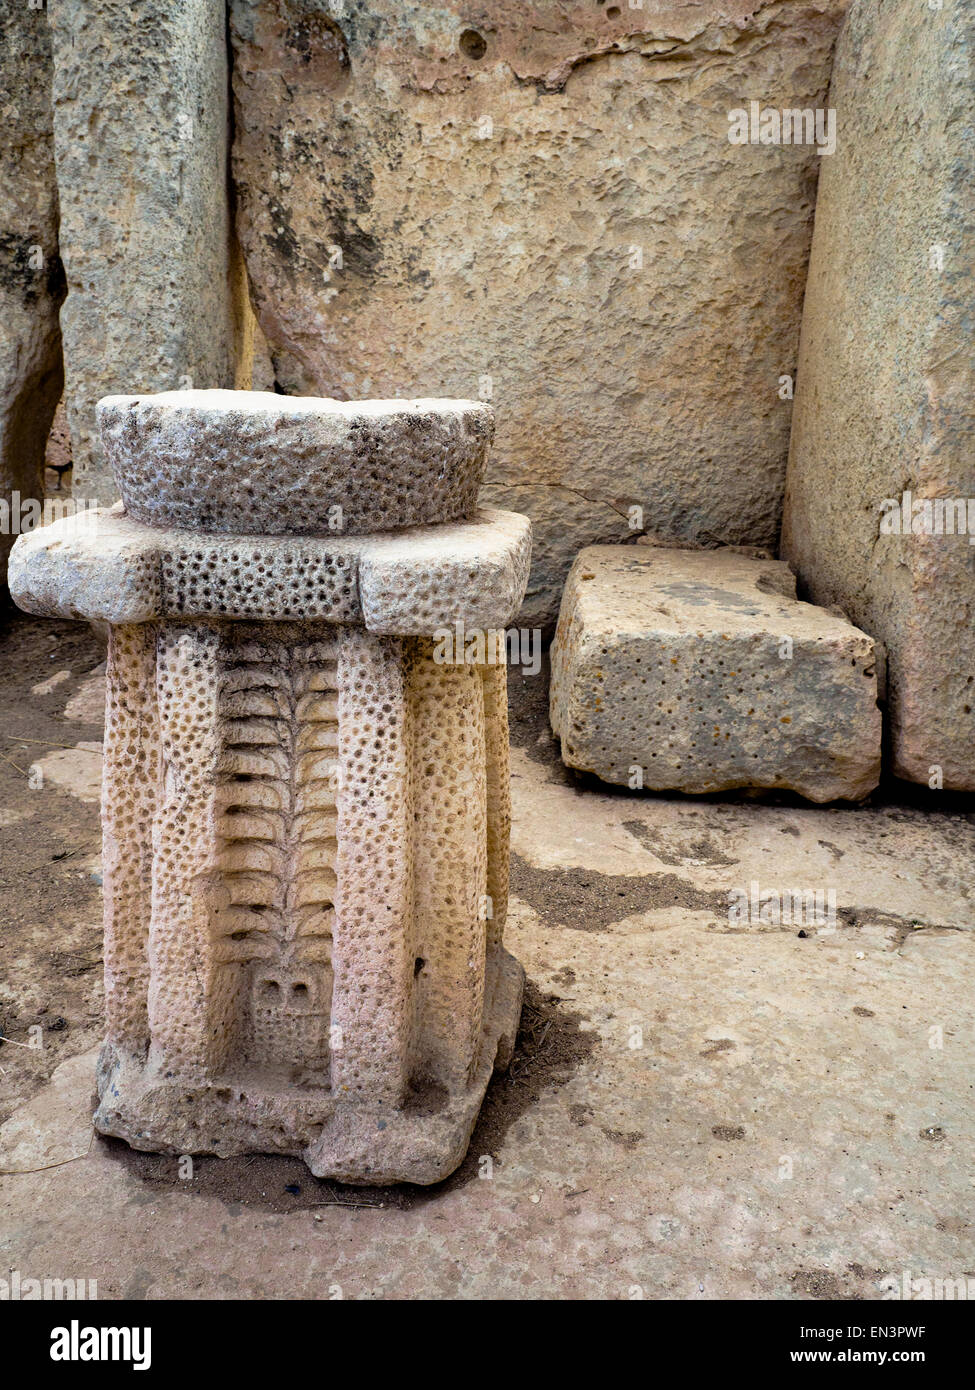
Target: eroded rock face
[140,121]
[886,398]
[540,203]
[701,671]
[31,276]
[306,809]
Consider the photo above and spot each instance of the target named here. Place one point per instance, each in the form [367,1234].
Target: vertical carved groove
[278,733]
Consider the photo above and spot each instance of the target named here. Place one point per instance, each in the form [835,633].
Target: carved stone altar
[305,815]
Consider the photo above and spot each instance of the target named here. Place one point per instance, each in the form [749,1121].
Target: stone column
[879,513]
[31,274]
[305,807]
[156,298]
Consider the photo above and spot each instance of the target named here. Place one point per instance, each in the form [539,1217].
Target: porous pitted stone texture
[443,200]
[305,806]
[300,835]
[252,462]
[886,395]
[703,669]
[107,568]
[31,276]
[140,128]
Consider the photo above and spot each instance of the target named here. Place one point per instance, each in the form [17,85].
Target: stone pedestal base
[422,1142]
[305,836]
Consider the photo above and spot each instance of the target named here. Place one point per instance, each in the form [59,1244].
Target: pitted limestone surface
[256,463]
[301,962]
[132,764]
[885,400]
[107,567]
[413,582]
[449,779]
[306,812]
[702,671]
[248,579]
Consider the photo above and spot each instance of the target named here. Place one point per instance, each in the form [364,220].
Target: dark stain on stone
[728,1132]
[861,1012]
[283,240]
[316,53]
[18,274]
[625,1139]
[586,900]
[702,849]
[719,1045]
[413,272]
[363,28]
[361,252]
[819,1283]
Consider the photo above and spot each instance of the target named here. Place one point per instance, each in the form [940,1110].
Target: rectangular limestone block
[880,494]
[701,670]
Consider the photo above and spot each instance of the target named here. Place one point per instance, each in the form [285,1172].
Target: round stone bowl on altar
[256,463]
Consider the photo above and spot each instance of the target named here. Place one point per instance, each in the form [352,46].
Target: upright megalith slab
[31,276]
[880,496]
[539,205]
[699,671]
[305,808]
[141,126]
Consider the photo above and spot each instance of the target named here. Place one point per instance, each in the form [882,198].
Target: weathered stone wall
[886,397]
[31,277]
[141,135]
[537,205]
[540,204]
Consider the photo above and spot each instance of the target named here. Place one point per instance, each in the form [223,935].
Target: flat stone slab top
[700,671]
[256,463]
[105,567]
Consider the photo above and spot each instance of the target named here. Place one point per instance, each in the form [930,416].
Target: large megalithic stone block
[699,670]
[305,815]
[880,494]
